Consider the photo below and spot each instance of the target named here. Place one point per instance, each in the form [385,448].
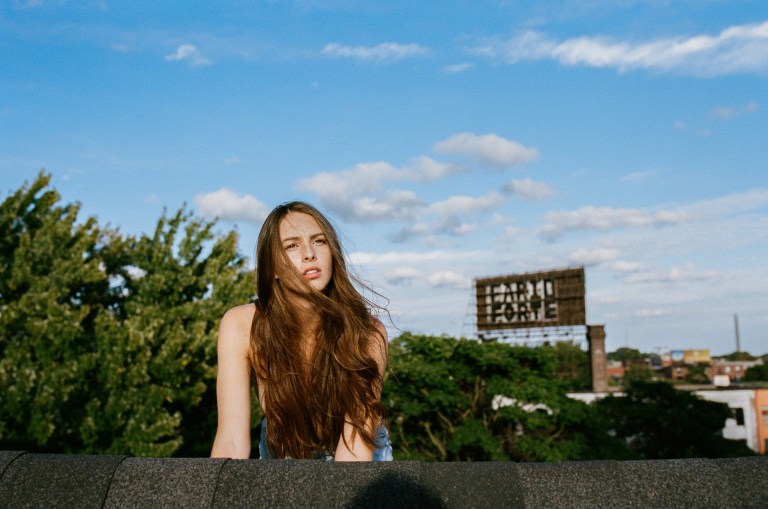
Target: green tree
[107,343]
[637,373]
[658,421]
[697,375]
[159,344]
[757,373]
[739,356]
[457,399]
[52,287]
[627,355]
[573,368]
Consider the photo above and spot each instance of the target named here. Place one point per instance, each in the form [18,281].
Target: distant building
[734,370]
[744,424]
[761,407]
[682,365]
[614,370]
[749,406]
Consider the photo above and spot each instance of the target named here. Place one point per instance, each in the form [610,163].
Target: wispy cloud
[449,279]
[728,205]
[530,190]
[190,54]
[636,176]
[404,275]
[736,49]
[488,149]
[388,51]
[410,257]
[358,194]
[458,68]
[650,312]
[605,218]
[596,256]
[682,274]
[369,191]
[448,217]
[227,205]
[730,112]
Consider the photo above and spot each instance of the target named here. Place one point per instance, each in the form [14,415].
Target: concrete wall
[735,399]
[43,480]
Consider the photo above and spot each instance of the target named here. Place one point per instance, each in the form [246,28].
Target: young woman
[310,344]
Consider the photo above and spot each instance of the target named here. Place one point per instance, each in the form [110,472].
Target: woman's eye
[320,241]
[291,246]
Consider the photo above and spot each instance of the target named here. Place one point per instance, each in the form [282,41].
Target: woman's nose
[309,254]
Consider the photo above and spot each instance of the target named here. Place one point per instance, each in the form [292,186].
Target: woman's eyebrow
[313,236]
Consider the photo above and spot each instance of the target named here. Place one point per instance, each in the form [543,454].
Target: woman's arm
[351,447]
[233,391]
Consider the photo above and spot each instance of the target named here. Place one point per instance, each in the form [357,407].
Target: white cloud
[731,204]
[228,205]
[232,160]
[466,204]
[511,232]
[457,68]
[345,192]
[410,257]
[625,266]
[445,217]
[529,189]
[638,175]
[392,205]
[682,274]
[449,279]
[383,52]
[489,149]
[729,112]
[650,312]
[402,275]
[364,193]
[190,54]
[736,49]
[426,169]
[605,218]
[358,194]
[597,256]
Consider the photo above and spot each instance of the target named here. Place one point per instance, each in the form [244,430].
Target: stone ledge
[50,480]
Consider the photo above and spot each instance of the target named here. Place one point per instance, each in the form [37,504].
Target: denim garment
[383,451]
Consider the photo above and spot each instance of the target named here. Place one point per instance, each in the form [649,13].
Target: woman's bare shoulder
[242,313]
[235,327]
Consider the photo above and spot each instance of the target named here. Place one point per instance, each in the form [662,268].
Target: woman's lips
[312,273]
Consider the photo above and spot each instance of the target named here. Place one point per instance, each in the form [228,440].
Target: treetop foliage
[458,400]
[739,356]
[107,341]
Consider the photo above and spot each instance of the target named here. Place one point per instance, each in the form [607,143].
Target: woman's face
[307,248]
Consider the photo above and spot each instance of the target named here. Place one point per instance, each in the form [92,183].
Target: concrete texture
[6,457]
[164,482]
[41,480]
[53,480]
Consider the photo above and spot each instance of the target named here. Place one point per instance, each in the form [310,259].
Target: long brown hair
[308,396]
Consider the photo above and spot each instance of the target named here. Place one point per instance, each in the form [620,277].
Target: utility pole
[736,325]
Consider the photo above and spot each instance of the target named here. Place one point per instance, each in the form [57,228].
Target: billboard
[697,356]
[536,299]
[691,356]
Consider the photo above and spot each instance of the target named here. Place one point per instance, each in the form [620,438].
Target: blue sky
[447,140]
